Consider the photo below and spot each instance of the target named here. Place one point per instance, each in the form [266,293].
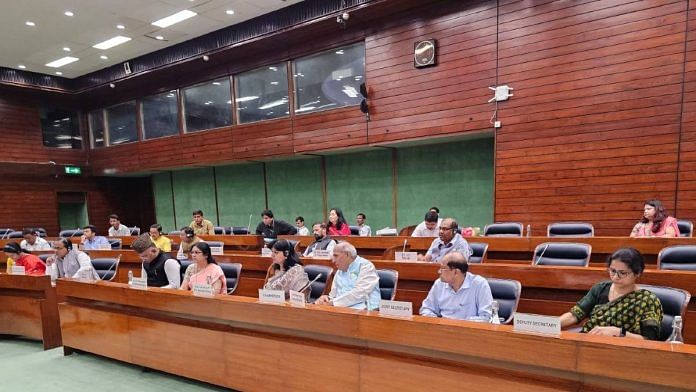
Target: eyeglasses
[618,273]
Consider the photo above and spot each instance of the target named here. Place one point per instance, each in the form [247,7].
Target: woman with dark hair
[22,258]
[655,222]
[337,223]
[617,307]
[286,273]
[204,270]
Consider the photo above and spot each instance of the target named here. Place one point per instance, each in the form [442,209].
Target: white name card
[266,252]
[85,275]
[396,308]
[297,299]
[406,256]
[217,250]
[534,323]
[139,283]
[203,290]
[18,270]
[271,296]
[322,254]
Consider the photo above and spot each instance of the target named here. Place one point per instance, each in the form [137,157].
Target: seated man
[365,230]
[300,226]
[458,294]
[159,269]
[450,240]
[70,261]
[158,239]
[272,228]
[116,229]
[356,283]
[201,226]
[188,240]
[33,242]
[429,226]
[321,240]
[91,241]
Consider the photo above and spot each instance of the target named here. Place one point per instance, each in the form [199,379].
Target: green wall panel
[72,216]
[194,190]
[240,193]
[294,188]
[361,182]
[164,208]
[456,177]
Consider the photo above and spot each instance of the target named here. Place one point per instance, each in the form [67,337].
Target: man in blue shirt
[90,239]
[449,240]
[458,294]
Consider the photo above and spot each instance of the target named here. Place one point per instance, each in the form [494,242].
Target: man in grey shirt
[70,261]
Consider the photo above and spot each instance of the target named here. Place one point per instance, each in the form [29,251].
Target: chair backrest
[5,231]
[232,273]
[686,228]
[184,264]
[238,230]
[106,267]
[135,231]
[507,292]
[42,232]
[569,254]
[503,229]
[480,249]
[175,233]
[45,256]
[354,230]
[570,229]
[319,287]
[674,303]
[407,231]
[15,234]
[116,243]
[219,230]
[215,244]
[388,280]
[70,233]
[677,257]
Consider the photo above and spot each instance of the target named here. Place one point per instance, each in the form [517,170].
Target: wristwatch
[623,332]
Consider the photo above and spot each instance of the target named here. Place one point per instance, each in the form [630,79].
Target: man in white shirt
[365,230]
[430,227]
[32,241]
[116,229]
[300,226]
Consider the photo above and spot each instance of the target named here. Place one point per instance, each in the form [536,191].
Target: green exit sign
[73,170]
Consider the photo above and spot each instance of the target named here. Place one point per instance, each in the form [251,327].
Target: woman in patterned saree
[286,272]
[618,307]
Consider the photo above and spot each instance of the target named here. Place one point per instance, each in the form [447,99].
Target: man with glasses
[458,294]
[159,269]
[449,240]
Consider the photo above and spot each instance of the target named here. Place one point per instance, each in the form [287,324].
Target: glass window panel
[96,128]
[262,94]
[160,115]
[208,105]
[330,79]
[60,128]
[121,123]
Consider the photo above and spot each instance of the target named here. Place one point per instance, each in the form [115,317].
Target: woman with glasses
[204,270]
[655,222]
[617,307]
[286,273]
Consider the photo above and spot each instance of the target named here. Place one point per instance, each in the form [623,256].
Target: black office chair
[319,287]
[480,250]
[184,265]
[42,232]
[570,229]
[135,231]
[354,230]
[70,233]
[116,243]
[216,244]
[5,231]
[219,230]
[674,303]
[45,256]
[503,229]
[232,273]
[677,257]
[106,268]
[507,292]
[15,234]
[238,230]
[388,280]
[686,228]
[569,254]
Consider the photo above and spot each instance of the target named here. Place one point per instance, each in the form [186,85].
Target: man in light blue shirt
[449,240]
[92,241]
[458,294]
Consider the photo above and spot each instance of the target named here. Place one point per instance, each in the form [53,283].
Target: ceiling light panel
[174,19]
[62,61]
[111,42]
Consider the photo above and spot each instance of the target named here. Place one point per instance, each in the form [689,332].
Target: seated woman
[617,307]
[286,273]
[204,270]
[655,222]
[337,223]
[22,258]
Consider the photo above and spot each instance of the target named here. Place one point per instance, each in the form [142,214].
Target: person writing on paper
[201,226]
[429,226]
[321,240]
[300,226]
[449,240]
[22,258]
[188,240]
[158,239]
[286,273]
[33,242]
[159,269]
[337,223]
[618,307]
[116,229]
[458,294]
[364,230]
[356,282]
[70,261]
[655,222]
[270,227]
[204,270]
[91,241]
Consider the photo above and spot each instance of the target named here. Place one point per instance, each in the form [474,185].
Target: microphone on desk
[308,285]
[5,234]
[249,225]
[110,268]
[404,250]
[541,254]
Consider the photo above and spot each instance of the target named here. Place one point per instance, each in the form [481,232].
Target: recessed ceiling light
[103,57]
[22,66]
[229,12]
[159,37]
[111,42]
[30,23]
[62,61]
[68,13]
[66,49]
[120,26]
[173,19]
[58,73]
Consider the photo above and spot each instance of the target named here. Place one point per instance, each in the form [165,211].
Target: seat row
[563,229]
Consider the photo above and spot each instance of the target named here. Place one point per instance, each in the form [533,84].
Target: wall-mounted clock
[424,53]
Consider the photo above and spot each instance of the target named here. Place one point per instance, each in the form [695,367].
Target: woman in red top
[337,223]
[31,263]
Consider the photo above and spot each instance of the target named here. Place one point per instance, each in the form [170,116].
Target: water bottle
[529,230]
[130,277]
[676,336]
[495,319]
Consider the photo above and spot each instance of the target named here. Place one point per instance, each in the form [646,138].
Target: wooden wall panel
[686,187]
[341,128]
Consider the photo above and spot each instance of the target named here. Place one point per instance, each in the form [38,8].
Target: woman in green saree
[617,307]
